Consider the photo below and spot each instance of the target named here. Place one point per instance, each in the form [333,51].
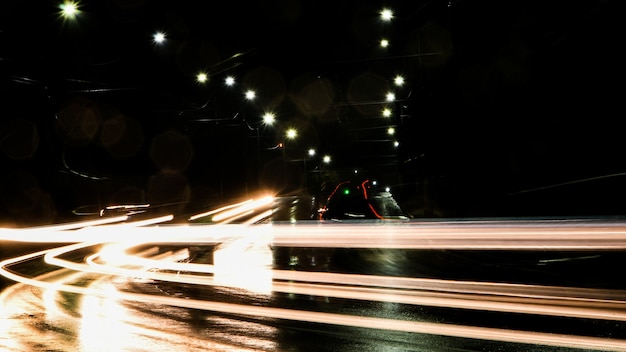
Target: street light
[250,94]
[269,118]
[69,10]
[398,81]
[386,15]
[291,133]
[202,77]
[311,153]
[158,38]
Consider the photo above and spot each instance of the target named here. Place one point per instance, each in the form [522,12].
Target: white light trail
[495,334]
[445,236]
[51,234]
[255,276]
[113,239]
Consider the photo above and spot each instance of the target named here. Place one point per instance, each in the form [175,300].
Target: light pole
[310,153]
[290,134]
[268,120]
[325,160]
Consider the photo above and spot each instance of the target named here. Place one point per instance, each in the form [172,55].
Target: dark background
[510,108]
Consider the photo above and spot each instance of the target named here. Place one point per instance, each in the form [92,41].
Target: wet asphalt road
[44,319]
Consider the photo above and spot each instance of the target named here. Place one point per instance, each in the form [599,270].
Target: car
[362,199]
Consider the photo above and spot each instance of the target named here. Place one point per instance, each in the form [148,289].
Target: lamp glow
[386,15]
[291,133]
[158,38]
[202,77]
[250,94]
[69,9]
[398,81]
[269,118]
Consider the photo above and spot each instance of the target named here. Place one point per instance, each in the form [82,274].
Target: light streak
[244,208]
[127,207]
[115,239]
[48,234]
[591,343]
[218,210]
[446,236]
[256,277]
[325,235]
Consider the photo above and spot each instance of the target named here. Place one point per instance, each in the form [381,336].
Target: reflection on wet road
[150,286]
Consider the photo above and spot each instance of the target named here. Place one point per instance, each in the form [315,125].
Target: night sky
[509,108]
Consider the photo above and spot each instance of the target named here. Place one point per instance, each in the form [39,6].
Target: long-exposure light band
[529,337]
[125,249]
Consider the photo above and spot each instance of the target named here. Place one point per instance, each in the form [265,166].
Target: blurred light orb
[69,9]
[326,159]
[202,77]
[391,131]
[390,97]
[398,81]
[269,118]
[386,112]
[311,152]
[158,37]
[291,133]
[171,151]
[250,94]
[386,15]
[20,139]
[384,43]
[229,81]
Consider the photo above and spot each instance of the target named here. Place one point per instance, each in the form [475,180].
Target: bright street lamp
[250,94]
[269,118]
[69,9]
[158,38]
[202,77]
[398,81]
[291,133]
[386,15]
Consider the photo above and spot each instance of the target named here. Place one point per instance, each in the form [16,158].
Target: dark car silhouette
[360,200]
